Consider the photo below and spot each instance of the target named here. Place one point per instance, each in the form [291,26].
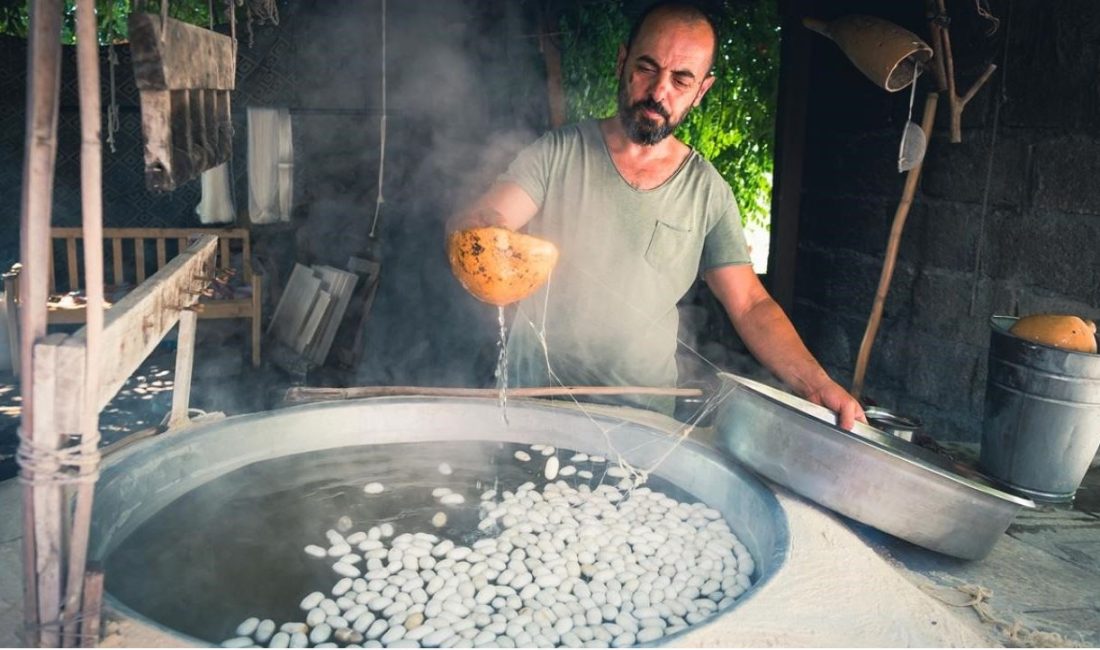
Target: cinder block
[941,235]
[857,223]
[1046,250]
[958,172]
[1065,175]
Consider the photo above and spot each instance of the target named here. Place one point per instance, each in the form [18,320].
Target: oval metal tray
[879,480]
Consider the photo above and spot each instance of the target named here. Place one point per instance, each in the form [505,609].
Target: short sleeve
[531,168]
[725,242]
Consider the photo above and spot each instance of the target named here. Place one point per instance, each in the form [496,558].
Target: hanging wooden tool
[184,75]
[944,69]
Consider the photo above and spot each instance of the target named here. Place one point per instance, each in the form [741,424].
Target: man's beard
[640,128]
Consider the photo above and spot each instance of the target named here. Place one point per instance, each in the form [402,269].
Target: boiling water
[232,548]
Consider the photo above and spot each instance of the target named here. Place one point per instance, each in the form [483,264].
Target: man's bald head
[679,10]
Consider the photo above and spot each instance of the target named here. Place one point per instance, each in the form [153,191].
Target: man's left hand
[832,396]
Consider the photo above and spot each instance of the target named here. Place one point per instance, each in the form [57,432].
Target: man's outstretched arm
[772,339]
[505,205]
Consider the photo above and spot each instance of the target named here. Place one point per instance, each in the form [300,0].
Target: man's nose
[660,87]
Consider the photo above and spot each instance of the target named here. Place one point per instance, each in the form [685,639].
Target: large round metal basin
[140,482]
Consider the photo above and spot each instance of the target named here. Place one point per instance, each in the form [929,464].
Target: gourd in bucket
[499,266]
[1058,330]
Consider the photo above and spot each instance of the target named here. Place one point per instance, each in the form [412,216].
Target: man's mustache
[650,104]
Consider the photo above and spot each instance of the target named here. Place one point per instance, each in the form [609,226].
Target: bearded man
[637,215]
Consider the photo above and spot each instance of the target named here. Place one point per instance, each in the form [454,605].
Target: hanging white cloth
[270,165]
[216,205]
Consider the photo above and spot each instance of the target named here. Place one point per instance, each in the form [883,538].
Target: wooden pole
[40,152]
[93,607]
[945,68]
[91,191]
[305,394]
[551,55]
[892,247]
[185,358]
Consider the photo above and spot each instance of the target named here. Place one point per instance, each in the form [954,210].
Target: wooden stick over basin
[305,394]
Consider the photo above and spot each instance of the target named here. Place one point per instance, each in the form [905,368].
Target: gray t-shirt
[626,257]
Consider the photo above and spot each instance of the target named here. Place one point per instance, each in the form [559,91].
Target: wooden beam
[93,607]
[40,154]
[184,56]
[790,137]
[91,208]
[185,358]
[139,259]
[48,501]
[72,265]
[116,259]
[60,232]
[137,323]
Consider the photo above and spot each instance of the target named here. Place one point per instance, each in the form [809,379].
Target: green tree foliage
[734,127]
[110,14]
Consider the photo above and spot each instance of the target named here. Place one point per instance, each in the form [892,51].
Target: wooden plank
[294,305]
[186,162]
[137,323]
[182,245]
[790,127]
[72,264]
[116,259]
[91,209]
[50,411]
[348,345]
[343,283]
[11,305]
[60,232]
[156,130]
[52,283]
[185,357]
[255,314]
[43,56]
[93,607]
[317,314]
[139,259]
[246,258]
[162,253]
[223,254]
[187,56]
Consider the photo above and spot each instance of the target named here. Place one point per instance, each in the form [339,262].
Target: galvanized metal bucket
[1042,415]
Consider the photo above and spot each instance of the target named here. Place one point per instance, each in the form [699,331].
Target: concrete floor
[1041,584]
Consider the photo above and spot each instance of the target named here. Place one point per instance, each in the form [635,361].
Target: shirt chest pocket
[671,246]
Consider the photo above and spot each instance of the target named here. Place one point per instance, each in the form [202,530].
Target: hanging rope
[112,63]
[382,132]
[998,101]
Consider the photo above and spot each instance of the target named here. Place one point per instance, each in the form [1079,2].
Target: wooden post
[93,607]
[91,192]
[551,55]
[185,358]
[46,525]
[944,68]
[40,152]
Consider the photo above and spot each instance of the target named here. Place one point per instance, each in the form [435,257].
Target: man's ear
[621,61]
[703,88]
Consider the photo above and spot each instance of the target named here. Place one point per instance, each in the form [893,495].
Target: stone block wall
[1005,222]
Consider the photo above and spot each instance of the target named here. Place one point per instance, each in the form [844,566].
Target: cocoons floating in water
[555,563]
[499,266]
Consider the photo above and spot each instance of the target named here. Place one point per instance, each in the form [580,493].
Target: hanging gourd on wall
[184,75]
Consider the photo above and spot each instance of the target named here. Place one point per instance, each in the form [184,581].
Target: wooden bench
[128,254]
